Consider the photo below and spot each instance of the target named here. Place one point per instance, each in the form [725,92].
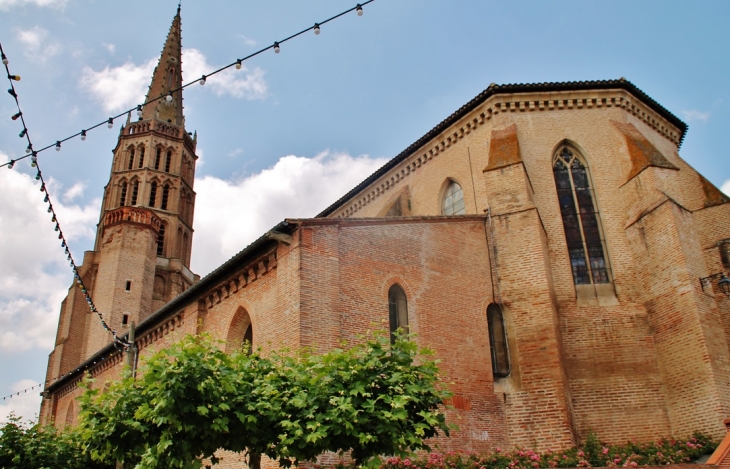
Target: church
[546,240]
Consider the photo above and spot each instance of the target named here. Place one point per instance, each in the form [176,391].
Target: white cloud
[695,115]
[237,83]
[34,273]
[118,88]
[230,214]
[726,187]
[8,4]
[246,40]
[25,404]
[74,191]
[36,45]
[110,47]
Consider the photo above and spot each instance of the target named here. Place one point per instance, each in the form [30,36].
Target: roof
[493,90]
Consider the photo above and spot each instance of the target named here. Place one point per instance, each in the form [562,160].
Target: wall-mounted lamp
[723,283]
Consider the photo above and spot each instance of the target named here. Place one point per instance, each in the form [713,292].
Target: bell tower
[141,256]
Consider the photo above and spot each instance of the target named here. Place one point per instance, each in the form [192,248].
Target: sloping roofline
[494,89]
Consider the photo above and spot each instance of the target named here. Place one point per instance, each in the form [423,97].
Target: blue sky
[291,132]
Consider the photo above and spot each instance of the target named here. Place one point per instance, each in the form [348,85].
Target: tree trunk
[254,460]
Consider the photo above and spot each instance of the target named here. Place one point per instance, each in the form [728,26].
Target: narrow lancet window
[157,158]
[135,192]
[165,196]
[131,158]
[581,220]
[153,193]
[123,195]
[161,241]
[498,341]
[141,157]
[168,161]
[398,311]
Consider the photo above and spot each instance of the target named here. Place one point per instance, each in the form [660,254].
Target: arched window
[398,310]
[184,255]
[498,341]
[240,332]
[168,161]
[153,193]
[131,159]
[135,192]
[165,196]
[123,195]
[141,157]
[157,158]
[248,339]
[453,201]
[581,220]
[161,241]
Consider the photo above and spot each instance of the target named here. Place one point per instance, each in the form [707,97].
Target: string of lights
[47,199]
[276,46]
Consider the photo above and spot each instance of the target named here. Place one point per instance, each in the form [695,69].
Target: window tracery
[453,201]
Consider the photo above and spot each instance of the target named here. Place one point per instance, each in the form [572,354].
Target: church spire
[167,76]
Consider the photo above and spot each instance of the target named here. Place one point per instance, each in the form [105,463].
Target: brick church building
[547,240]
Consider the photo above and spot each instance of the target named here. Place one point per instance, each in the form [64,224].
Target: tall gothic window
[161,241]
[123,195]
[135,192]
[157,158]
[141,157]
[153,193]
[165,196]
[398,310]
[453,202]
[131,158]
[581,220]
[168,161]
[498,341]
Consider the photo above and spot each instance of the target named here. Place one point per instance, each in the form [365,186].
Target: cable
[110,121]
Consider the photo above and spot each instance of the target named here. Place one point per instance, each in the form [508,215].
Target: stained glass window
[453,203]
[581,220]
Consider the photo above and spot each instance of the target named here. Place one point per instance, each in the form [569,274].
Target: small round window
[453,203]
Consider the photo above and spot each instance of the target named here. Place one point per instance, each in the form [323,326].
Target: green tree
[26,446]
[192,399]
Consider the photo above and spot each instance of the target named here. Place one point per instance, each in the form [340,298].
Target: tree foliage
[25,446]
[193,399]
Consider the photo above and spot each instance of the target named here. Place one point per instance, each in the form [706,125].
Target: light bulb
[28,149]
[359,10]
[168,98]
[43,188]
[5,60]
[110,123]
[57,227]
[53,219]
[33,161]
[38,176]
[50,210]
[14,77]
[22,133]
[12,163]
[58,146]
[202,80]
[238,65]
[45,199]
[83,135]
[139,110]
[15,116]
[277,49]
[316,28]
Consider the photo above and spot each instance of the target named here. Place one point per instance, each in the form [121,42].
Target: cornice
[517,102]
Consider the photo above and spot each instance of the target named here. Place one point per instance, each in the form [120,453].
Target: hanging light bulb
[43,188]
[359,10]
[45,199]
[34,160]
[238,65]
[110,123]
[28,149]
[12,163]
[139,110]
[83,135]
[14,77]
[22,133]
[63,244]
[202,80]
[15,116]
[11,92]
[5,60]
[316,28]
[168,98]
[277,49]
[53,218]
[38,176]
[57,227]
[49,209]
[58,145]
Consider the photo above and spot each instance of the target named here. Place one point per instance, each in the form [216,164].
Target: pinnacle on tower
[166,77]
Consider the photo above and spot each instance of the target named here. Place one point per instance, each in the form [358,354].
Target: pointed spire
[167,76]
